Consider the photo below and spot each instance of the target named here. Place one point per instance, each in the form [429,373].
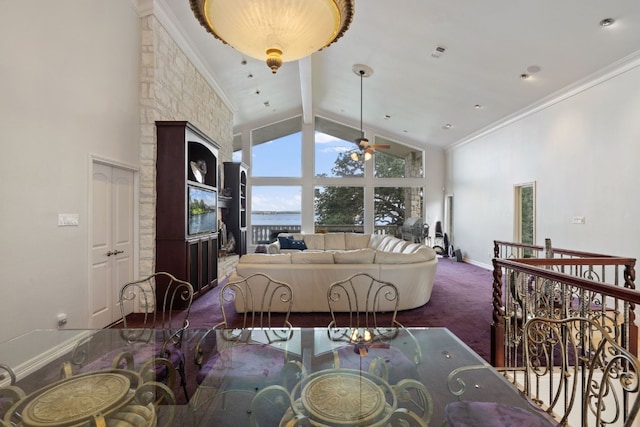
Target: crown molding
[144,7]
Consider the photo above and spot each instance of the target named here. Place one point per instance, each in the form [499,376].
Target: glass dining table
[384,377]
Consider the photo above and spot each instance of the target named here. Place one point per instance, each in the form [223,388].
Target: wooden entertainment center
[186,207]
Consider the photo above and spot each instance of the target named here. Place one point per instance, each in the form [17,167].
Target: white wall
[68,89]
[582,152]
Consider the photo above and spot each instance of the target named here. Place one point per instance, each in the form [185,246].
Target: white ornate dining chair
[9,393]
[364,313]
[364,320]
[230,357]
[153,336]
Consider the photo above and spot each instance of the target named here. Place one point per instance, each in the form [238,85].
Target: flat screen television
[202,216]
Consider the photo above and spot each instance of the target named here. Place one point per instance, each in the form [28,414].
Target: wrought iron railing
[261,234]
[570,283]
[542,282]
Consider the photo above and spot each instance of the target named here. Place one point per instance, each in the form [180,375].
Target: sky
[283,158]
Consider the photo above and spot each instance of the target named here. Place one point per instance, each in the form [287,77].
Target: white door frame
[448,216]
[96,159]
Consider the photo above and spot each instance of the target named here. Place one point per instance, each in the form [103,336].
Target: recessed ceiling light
[437,53]
[477,106]
[607,22]
[525,76]
[266,103]
[387,117]
[447,126]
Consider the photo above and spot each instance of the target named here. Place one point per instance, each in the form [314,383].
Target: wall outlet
[62,319]
[578,220]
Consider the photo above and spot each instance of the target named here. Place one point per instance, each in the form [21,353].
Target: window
[339,209]
[392,205]
[525,218]
[274,208]
[339,184]
[333,145]
[277,150]
[397,161]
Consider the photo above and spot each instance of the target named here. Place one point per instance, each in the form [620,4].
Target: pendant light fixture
[275,30]
[367,150]
[362,71]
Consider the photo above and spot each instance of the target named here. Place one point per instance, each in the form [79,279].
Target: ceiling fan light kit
[276,31]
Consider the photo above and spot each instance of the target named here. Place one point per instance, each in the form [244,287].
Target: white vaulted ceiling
[488,45]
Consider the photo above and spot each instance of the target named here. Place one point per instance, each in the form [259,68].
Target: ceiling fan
[365,149]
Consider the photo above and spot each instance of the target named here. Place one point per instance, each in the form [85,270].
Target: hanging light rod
[362,71]
[275,30]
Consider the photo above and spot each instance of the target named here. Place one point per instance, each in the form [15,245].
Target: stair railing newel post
[497,327]
[630,334]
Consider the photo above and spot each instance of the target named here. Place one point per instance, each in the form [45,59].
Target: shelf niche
[235,216]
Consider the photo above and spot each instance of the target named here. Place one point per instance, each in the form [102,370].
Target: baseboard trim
[478,264]
[41,354]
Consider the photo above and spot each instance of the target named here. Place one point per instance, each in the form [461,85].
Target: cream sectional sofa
[336,256]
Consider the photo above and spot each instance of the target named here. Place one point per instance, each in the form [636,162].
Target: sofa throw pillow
[298,244]
[291,243]
[284,241]
[355,256]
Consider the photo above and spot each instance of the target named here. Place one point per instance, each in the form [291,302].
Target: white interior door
[112,241]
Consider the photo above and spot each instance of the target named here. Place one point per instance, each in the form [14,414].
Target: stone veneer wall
[413,169]
[171,89]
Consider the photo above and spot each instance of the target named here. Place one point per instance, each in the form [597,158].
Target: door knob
[116,252]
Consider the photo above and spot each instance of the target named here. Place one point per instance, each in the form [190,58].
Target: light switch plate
[66,220]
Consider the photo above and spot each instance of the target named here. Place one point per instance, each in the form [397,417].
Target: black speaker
[458,255]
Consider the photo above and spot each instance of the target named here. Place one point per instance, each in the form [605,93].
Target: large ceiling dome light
[275,30]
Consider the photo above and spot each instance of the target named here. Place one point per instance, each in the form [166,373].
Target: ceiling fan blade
[380,146]
[369,149]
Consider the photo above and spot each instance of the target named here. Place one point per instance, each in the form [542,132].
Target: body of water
[205,222]
[276,218]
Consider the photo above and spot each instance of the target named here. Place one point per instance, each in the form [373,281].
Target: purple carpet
[461,301]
